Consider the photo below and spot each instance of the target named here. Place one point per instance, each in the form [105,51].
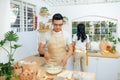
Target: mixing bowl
[53,69]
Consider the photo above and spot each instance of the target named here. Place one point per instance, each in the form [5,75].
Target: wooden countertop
[105,56]
[41,61]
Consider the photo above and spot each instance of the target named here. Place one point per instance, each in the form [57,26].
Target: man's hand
[41,50]
[64,61]
[69,53]
[46,55]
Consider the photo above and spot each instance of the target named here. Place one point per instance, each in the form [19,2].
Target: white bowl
[53,69]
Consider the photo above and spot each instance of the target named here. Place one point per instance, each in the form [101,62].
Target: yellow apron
[80,59]
[87,59]
[56,49]
[86,55]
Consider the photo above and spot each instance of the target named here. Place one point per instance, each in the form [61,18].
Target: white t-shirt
[80,44]
[47,35]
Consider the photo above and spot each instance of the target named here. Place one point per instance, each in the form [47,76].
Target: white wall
[4,16]
[28,40]
[73,12]
[4,24]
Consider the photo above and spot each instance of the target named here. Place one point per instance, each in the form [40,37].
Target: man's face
[57,25]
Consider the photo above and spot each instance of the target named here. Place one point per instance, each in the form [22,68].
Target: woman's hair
[81,32]
[57,16]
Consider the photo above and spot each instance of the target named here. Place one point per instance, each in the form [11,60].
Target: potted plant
[44,11]
[65,19]
[112,41]
[6,68]
[118,45]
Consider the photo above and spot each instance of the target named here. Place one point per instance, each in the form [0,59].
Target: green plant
[118,39]
[65,19]
[6,68]
[103,24]
[87,24]
[97,24]
[114,41]
[44,11]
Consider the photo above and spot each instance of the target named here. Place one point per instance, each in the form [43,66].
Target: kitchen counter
[41,61]
[106,56]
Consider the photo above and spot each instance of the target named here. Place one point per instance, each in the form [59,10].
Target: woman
[80,44]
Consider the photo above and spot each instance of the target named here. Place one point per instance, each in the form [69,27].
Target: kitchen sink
[93,51]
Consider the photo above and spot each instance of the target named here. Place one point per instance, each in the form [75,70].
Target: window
[97,27]
[22,16]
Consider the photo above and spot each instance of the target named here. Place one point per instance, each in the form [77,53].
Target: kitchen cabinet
[105,68]
[119,69]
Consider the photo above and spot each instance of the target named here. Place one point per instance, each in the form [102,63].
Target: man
[58,42]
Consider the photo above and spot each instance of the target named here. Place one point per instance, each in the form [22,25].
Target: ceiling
[76,2]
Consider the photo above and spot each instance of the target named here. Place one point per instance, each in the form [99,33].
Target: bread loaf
[103,44]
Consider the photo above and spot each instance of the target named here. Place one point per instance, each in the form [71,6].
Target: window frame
[23,14]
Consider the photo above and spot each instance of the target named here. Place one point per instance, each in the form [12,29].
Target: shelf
[44,14]
[97,29]
[43,30]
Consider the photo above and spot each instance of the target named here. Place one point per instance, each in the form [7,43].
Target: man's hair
[57,16]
